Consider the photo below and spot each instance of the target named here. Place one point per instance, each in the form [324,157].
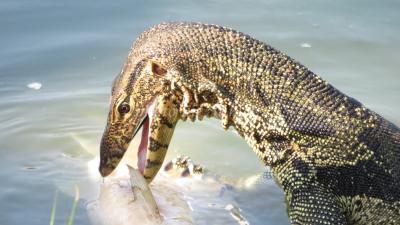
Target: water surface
[75,49]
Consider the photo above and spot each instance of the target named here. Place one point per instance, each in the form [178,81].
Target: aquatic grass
[53,208]
[73,209]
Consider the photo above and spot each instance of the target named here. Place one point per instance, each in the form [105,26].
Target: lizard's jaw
[158,130]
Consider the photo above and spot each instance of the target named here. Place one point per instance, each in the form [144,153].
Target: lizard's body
[337,161]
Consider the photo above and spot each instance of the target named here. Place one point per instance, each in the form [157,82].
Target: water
[75,49]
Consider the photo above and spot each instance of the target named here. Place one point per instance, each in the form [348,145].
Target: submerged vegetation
[73,209]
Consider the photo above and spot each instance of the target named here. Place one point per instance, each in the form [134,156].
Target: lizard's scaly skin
[337,161]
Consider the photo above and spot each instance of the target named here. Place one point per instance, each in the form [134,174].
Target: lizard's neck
[275,103]
[283,114]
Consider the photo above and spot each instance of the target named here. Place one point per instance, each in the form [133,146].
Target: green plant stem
[53,209]
[73,210]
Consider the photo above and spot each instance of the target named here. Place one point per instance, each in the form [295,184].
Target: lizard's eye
[123,108]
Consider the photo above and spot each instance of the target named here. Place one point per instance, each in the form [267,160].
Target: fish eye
[124,108]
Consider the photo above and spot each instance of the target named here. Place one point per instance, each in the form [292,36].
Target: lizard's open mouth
[144,141]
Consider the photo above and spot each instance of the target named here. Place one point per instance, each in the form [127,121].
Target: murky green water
[75,49]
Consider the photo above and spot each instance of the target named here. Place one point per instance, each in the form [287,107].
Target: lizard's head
[140,99]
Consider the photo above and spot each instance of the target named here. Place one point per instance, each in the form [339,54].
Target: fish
[173,198]
[127,199]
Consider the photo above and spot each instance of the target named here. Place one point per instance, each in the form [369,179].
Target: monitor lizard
[336,160]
